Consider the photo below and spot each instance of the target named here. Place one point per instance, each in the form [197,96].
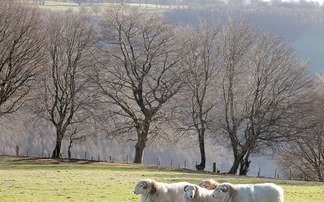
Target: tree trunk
[202,164]
[142,133]
[244,166]
[57,152]
[69,150]
[237,160]
[139,152]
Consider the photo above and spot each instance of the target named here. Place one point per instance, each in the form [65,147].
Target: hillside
[39,138]
[42,179]
[298,24]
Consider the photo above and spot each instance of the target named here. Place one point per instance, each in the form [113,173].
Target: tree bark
[142,129]
[237,160]
[202,164]
[57,152]
[139,152]
[69,150]
[245,165]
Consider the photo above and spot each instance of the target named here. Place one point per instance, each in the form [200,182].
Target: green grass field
[34,179]
[99,8]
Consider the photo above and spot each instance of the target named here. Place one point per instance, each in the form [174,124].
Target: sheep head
[142,186]
[190,191]
[222,190]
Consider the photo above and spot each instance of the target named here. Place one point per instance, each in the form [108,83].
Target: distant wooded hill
[301,24]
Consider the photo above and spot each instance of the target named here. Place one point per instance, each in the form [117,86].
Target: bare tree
[65,96]
[263,85]
[303,157]
[280,90]
[235,41]
[321,77]
[138,72]
[20,53]
[78,132]
[200,59]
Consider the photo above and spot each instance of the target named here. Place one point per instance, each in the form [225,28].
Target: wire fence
[112,159]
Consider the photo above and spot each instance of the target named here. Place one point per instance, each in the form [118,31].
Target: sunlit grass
[28,179]
[61,6]
[99,8]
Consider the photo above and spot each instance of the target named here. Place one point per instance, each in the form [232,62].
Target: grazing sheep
[209,184]
[153,191]
[267,192]
[193,193]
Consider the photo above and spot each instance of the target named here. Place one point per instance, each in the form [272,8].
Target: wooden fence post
[275,174]
[214,167]
[17,150]
[171,163]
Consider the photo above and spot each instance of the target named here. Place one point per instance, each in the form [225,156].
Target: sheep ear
[184,189]
[145,184]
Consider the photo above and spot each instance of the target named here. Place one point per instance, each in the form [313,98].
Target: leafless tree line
[20,54]
[134,75]
[303,157]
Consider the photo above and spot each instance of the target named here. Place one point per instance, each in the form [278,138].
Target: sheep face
[190,191]
[221,191]
[142,187]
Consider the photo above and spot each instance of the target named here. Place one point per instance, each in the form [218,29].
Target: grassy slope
[30,179]
[60,6]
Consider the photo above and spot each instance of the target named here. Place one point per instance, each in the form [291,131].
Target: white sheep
[153,191]
[193,193]
[209,184]
[266,192]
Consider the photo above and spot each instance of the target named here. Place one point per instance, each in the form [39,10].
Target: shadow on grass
[33,162]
